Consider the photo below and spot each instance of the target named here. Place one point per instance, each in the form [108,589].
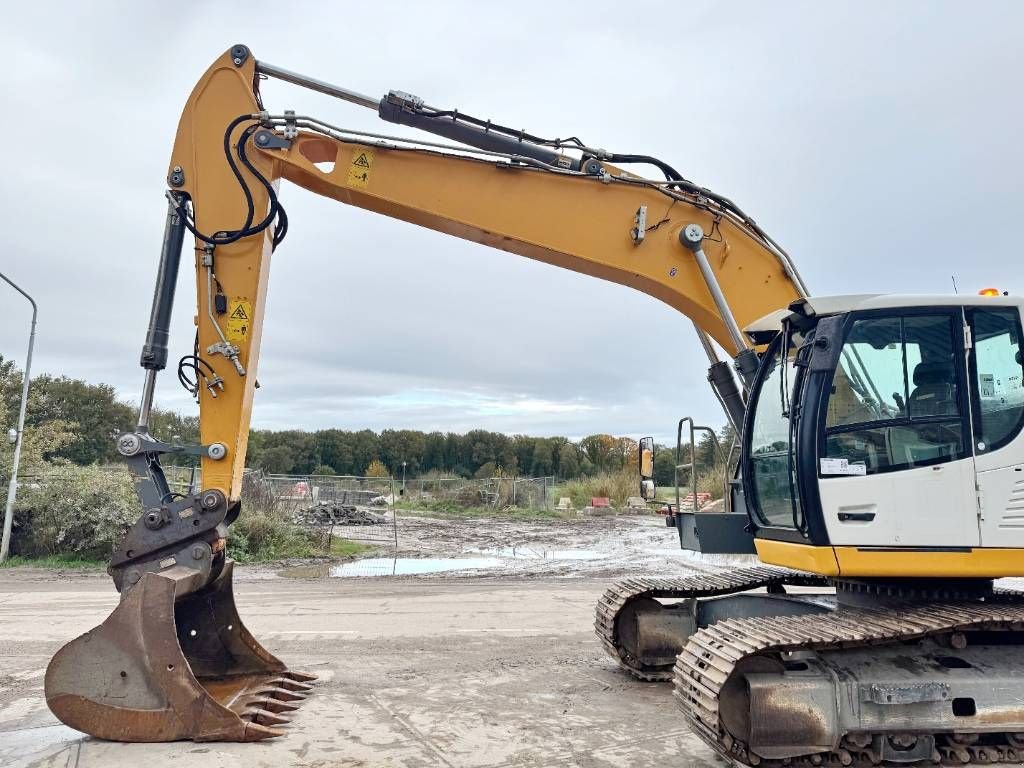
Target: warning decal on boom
[359,170]
[239,321]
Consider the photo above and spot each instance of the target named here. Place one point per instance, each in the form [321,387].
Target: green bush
[261,534]
[80,511]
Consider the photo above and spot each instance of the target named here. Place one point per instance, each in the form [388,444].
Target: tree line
[73,421]
[478,453]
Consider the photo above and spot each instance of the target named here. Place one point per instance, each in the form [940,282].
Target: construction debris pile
[334,513]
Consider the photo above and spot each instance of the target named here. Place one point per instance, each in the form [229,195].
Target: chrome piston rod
[692,237]
[321,86]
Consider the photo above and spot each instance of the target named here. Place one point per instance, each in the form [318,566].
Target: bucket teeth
[272,705]
[301,677]
[291,685]
[257,732]
[263,717]
[281,694]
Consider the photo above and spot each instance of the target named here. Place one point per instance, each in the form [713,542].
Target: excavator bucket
[161,669]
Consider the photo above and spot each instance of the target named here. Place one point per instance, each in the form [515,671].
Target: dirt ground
[606,547]
[493,664]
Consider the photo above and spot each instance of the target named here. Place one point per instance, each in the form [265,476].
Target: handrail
[692,465]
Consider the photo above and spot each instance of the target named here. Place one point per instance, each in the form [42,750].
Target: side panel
[1001,493]
[923,507]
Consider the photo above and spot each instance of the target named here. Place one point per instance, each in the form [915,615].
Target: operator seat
[934,393]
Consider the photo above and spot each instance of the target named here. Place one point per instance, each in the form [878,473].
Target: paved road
[414,673]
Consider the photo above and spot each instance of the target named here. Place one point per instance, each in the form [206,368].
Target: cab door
[996,372]
[895,463]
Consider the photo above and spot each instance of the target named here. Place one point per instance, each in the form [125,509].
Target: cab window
[997,370]
[894,402]
[771,449]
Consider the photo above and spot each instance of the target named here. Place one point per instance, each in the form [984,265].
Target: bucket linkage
[174,661]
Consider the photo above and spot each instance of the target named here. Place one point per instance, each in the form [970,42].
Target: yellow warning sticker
[239,321]
[359,170]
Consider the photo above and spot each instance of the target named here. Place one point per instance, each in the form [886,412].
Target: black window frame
[976,415]
[762,527]
[964,404]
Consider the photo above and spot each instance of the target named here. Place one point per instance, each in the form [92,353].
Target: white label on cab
[842,467]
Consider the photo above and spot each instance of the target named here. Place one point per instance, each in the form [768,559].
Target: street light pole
[12,484]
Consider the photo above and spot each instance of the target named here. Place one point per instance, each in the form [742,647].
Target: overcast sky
[879,143]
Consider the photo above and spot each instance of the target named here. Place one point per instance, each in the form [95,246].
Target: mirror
[647,490]
[645,458]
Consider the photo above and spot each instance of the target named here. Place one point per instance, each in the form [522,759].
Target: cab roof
[762,329]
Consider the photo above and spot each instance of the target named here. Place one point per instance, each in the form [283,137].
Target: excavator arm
[180,662]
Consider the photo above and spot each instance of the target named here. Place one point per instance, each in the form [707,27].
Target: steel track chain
[622,593]
[712,653]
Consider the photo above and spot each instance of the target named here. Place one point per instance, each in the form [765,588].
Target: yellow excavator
[880,479]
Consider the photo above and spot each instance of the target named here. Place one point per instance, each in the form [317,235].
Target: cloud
[867,147]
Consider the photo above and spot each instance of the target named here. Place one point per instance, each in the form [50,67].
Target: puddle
[391,566]
[534,552]
[475,559]
[411,566]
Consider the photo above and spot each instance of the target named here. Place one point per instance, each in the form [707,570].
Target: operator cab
[881,426]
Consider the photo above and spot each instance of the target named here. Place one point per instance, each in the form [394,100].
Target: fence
[356,508]
[61,473]
[498,492]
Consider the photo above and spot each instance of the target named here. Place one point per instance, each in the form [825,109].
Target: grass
[347,547]
[296,543]
[295,548]
[54,562]
[617,487]
[710,480]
